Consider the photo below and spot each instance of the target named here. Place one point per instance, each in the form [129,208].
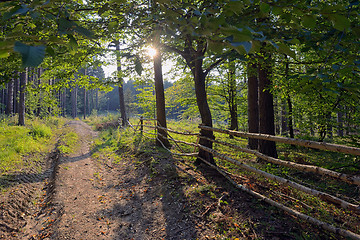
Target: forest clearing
[191,119]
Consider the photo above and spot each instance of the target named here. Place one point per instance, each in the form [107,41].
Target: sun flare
[151,52]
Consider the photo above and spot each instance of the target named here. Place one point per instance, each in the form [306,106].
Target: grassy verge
[288,196]
[114,140]
[20,143]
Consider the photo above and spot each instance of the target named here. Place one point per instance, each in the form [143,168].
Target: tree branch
[212,66]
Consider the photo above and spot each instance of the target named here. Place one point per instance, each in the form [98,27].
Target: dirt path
[102,201]
[147,194]
[75,191]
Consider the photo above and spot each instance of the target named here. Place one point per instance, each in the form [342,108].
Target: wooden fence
[337,201]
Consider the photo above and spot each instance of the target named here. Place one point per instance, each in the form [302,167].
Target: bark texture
[23,81]
[160,96]
[121,87]
[253,104]
[266,108]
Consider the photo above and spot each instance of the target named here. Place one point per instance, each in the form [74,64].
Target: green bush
[40,131]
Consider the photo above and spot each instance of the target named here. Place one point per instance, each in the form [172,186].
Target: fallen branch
[323,196]
[326,226]
[302,167]
[299,142]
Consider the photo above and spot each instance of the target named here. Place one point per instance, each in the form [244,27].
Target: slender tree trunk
[290,117]
[16,92]
[276,115]
[121,86]
[84,100]
[84,103]
[74,102]
[205,113]
[92,101]
[266,107]
[10,98]
[340,121]
[23,81]
[40,72]
[329,126]
[234,125]
[64,103]
[284,125]
[2,100]
[253,105]
[160,95]
[97,99]
[288,99]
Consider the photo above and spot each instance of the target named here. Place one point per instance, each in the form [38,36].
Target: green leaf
[283,48]
[112,26]
[308,21]
[23,9]
[264,7]
[277,10]
[215,46]
[32,56]
[85,32]
[4,53]
[340,22]
[73,43]
[138,66]
[246,45]
[6,45]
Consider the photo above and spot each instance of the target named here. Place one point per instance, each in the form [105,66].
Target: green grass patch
[68,142]
[18,142]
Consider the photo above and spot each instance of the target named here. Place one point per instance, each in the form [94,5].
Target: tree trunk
[160,95]
[340,121]
[121,86]
[253,105]
[205,113]
[284,125]
[3,101]
[23,81]
[329,127]
[64,103]
[290,117]
[85,103]
[10,98]
[232,97]
[85,99]
[74,102]
[16,92]
[266,107]
[38,111]
[97,99]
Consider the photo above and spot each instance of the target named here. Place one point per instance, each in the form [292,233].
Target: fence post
[141,124]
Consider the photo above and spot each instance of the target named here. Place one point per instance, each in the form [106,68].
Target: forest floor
[145,195]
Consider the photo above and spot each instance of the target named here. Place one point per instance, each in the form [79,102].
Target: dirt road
[146,195]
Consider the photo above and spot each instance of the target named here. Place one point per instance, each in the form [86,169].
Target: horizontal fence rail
[302,167]
[299,142]
[352,179]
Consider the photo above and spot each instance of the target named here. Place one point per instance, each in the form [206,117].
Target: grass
[305,203]
[115,142]
[68,142]
[18,142]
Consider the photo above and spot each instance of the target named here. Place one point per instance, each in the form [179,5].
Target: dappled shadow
[76,158]
[262,220]
[150,203]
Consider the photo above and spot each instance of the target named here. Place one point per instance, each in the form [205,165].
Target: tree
[120,85]
[23,82]
[159,92]
[253,105]
[266,106]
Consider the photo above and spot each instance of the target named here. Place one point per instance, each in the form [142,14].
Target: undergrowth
[18,142]
[114,142]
